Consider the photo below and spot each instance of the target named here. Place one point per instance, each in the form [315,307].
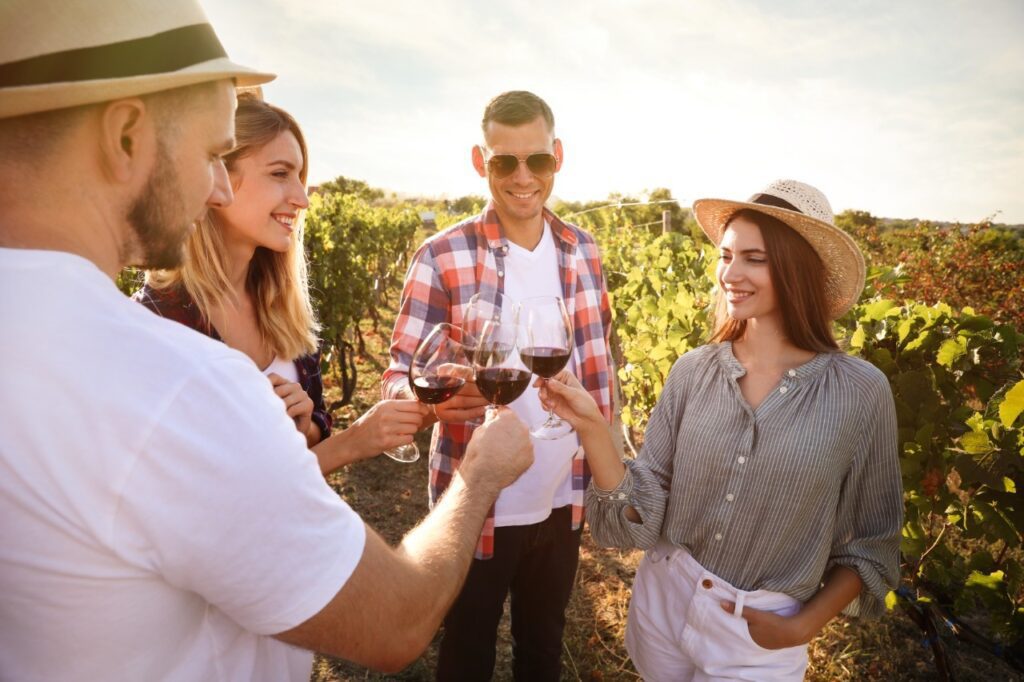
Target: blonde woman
[244,283]
[767,493]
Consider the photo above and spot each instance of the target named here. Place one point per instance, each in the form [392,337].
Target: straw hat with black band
[56,54]
[806,210]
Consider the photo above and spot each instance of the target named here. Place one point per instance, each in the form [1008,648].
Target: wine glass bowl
[434,390]
[545,340]
[501,376]
[438,370]
[485,309]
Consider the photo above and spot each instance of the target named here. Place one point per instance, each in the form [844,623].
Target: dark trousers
[537,564]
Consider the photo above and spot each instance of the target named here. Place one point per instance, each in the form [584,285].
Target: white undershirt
[547,484]
[284,368]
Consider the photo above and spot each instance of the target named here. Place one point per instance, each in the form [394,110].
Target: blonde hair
[277,282]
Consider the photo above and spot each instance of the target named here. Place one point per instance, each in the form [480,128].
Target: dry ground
[391,497]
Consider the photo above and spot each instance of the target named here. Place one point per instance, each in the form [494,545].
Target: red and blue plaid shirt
[445,273]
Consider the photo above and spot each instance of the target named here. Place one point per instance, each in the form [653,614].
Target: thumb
[557,387]
[750,615]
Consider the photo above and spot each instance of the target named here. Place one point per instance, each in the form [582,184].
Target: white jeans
[677,629]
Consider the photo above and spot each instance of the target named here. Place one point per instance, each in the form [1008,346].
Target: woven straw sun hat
[56,54]
[806,210]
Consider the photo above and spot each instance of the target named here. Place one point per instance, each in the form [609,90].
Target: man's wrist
[478,480]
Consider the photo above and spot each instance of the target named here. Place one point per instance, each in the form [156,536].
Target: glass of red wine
[439,368]
[501,375]
[485,307]
[545,345]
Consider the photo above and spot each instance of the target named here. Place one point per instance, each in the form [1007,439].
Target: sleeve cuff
[622,492]
[870,603]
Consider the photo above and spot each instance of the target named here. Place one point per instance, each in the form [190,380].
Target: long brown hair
[277,282]
[798,277]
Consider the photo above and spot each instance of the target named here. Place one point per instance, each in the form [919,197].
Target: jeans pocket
[722,646]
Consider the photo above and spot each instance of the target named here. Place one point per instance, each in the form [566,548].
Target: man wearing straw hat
[160,517]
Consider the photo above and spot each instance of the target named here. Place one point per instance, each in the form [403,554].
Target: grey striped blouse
[768,498]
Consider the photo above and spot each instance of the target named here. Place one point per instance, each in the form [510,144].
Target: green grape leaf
[951,350]
[1012,405]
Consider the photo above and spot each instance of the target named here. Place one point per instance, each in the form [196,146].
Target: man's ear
[126,138]
[559,154]
[478,161]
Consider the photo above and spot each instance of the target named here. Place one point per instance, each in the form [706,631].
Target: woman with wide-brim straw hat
[767,492]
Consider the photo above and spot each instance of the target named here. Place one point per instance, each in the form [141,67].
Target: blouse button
[783,389]
[741,459]
[730,497]
[622,496]
[792,372]
[718,537]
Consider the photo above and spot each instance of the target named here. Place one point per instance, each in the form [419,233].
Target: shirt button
[792,372]
[783,389]
[718,537]
[730,497]
[501,273]
[741,459]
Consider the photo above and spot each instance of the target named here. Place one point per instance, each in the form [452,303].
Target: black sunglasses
[541,164]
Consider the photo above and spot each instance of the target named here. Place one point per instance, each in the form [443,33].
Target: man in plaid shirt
[517,247]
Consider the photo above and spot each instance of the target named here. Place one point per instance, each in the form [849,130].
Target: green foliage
[343,185]
[956,382]
[981,265]
[357,255]
[659,291]
[129,281]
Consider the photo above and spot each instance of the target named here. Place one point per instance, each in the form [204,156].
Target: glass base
[404,453]
[552,429]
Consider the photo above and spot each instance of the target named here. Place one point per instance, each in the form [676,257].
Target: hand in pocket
[772,630]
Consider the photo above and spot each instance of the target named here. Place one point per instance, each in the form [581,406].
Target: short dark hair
[516,108]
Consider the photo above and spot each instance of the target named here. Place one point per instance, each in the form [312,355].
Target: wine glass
[501,375]
[484,307]
[545,344]
[439,368]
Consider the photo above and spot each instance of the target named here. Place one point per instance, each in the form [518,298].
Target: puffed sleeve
[870,510]
[646,484]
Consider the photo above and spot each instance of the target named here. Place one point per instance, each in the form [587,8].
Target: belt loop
[741,597]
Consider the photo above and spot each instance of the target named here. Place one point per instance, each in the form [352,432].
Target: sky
[911,109]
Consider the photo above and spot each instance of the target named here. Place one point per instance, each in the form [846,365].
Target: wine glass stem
[551,411]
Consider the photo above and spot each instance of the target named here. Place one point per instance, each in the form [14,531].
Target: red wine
[489,353]
[545,362]
[502,385]
[433,390]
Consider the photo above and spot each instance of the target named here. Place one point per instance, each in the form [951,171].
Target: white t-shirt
[160,516]
[547,484]
[283,368]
